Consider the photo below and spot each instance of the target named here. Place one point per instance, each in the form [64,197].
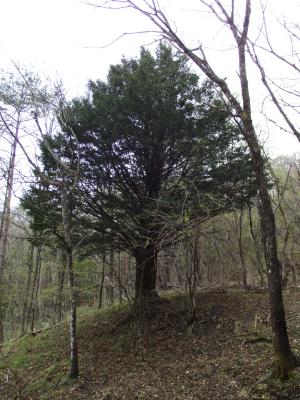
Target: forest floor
[223,355]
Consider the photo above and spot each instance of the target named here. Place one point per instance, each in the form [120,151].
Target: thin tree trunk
[4,226]
[100,297]
[259,264]
[284,358]
[74,367]
[5,218]
[193,274]
[26,298]
[66,218]
[61,279]
[241,251]
[110,288]
[35,286]
[119,277]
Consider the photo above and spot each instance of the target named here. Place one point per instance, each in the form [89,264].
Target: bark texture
[4,226]
[66,219]
[146,271]
[24,320]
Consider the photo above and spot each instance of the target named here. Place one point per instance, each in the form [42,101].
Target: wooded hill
[224,354]
[151,181]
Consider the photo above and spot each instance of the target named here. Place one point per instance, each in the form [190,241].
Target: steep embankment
[221,356]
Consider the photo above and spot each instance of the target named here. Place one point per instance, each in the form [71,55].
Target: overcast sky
[64,39]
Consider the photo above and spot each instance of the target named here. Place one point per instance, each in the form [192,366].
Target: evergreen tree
[155,143]
[157,151]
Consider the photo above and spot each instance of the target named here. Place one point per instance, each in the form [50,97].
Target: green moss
[54,376]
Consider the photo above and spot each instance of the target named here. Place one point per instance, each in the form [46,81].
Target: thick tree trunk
[146,270]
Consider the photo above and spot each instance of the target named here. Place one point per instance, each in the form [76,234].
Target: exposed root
[152,313]
[282,366]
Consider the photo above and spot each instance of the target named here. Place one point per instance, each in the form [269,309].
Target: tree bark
[101,284]
[119,277]
[66,219]
[5,218]
[110,288]
[61,279]
[35,287]
[4,226]
[259,263]
[24,321]
[241,251]
[285,360]
[146,271]
[74,366]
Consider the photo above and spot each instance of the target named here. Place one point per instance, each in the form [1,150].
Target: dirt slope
[223,355]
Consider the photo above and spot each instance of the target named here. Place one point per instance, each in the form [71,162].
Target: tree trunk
[101,284]
[285,360]
[119,277]
[61,279]
[67,219]
[74,367]
[111,274]
[241,251]
[5,218]
[4,226]
[24,321]
[259,262]
[35,286]
[2,318]
[146,269]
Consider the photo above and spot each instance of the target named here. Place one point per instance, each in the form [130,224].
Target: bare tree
[65,182]
[15,104]
[238,26]
[24,319]
[281,93]
[44,111]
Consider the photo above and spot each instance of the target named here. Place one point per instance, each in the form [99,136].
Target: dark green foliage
[156,150]
[155,144]
[42,201]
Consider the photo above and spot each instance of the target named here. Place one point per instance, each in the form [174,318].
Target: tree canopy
[154,143]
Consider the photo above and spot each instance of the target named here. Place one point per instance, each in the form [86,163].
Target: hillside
[223,355]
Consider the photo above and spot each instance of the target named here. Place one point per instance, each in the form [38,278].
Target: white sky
[63,38]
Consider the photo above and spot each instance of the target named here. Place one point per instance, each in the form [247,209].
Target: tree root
[282,366]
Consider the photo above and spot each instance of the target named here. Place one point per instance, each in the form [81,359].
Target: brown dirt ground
[223,355]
